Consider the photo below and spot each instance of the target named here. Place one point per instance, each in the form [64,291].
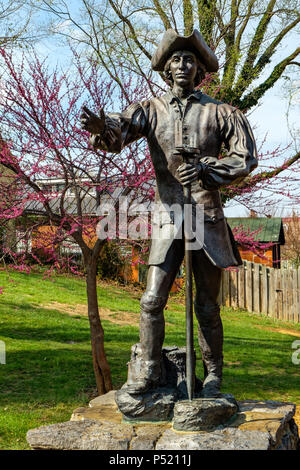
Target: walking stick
[189,331]
[188,154]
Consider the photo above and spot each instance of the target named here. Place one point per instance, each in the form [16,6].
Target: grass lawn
[48,371]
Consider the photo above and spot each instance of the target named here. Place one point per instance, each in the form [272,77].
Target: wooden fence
[260,289]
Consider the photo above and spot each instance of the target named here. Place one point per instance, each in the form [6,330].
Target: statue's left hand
[91,122]
[187,173]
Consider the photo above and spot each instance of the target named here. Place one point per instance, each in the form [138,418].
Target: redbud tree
[42,141]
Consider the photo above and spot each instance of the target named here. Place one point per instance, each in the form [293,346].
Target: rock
[257,425]
[225,439]
[272,417]
[174,370]
[102,408]
[156,405]
[147,435]
[106,399]
[203,413]
[81,435]
[99,413]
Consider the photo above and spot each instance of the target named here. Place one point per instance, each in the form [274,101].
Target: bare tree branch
[252,98]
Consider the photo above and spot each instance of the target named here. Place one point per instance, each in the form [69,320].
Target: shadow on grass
[48,355]
[54,333]
[55,375]
[260,367]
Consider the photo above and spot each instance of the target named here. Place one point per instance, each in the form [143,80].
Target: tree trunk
[100,364]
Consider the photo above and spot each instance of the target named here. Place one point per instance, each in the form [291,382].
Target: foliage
[249,240]
[110,262]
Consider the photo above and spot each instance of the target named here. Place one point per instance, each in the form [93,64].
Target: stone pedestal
[256,426]
[119,421]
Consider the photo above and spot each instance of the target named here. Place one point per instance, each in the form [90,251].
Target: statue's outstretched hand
[91,122]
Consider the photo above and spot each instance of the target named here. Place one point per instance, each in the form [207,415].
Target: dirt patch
[120,318]
[135,290]
[280,330]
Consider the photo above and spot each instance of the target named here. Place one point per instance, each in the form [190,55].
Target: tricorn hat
[195,43]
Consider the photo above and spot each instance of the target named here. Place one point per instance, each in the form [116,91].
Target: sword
[188,155]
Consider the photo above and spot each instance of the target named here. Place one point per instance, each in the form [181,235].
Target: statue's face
[183,67]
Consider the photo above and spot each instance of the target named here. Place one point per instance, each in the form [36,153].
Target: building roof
[270,229]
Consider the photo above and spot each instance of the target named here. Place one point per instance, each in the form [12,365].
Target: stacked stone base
[257,425]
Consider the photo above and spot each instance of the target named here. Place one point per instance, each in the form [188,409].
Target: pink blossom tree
[42,142]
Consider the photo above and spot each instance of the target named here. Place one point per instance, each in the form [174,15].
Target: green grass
[48,370]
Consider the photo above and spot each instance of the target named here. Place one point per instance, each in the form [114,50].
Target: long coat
[203,123]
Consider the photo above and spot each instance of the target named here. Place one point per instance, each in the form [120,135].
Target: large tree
[17,26]
[255,41]
[246,34]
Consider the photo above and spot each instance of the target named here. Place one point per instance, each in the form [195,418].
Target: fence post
[297,289]
[264,289]
[256,288]
[241,287]
[291,294]
[234,288]
[226,292]
[278,293]
[284,296]
[248,285]
[272,293]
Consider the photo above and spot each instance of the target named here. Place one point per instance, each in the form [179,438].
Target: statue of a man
[203,123]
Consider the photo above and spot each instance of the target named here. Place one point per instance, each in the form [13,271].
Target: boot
[213,380]
[210,336]
[152,333]
[146,380]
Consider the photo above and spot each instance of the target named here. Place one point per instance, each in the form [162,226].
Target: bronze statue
[197,121]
